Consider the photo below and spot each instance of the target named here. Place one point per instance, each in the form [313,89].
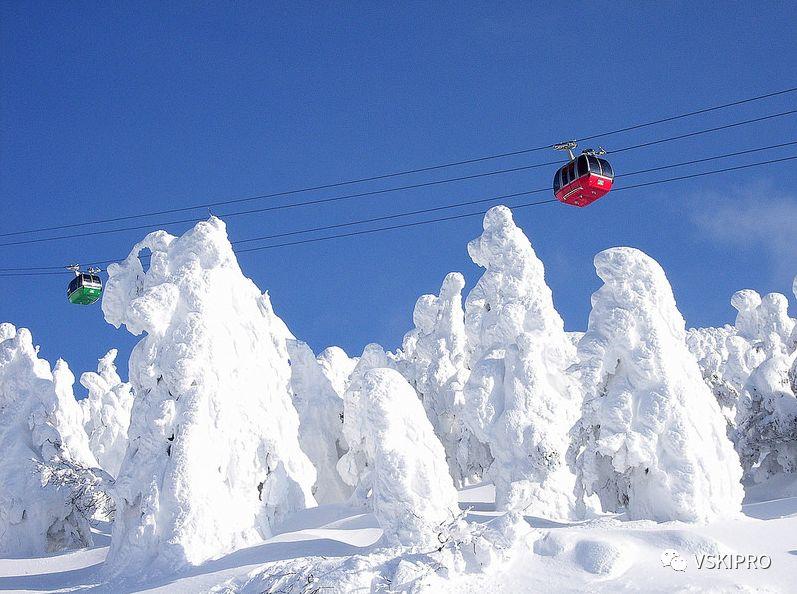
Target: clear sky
[112,108]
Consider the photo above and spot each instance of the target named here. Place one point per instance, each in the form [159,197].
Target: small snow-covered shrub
[651,438]
[88,490]
[478,550]
[767,420]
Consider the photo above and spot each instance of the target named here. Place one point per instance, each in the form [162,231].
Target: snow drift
[213,461]
[651,438]
[519,399]
[40,428]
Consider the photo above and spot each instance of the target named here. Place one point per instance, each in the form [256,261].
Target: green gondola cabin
[84,289]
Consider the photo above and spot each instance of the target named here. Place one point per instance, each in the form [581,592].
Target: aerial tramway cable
[423,169]
[384,190]
[44,271]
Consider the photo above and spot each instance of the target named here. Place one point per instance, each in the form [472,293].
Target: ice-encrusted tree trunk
[320,410]
[213,461]
[434,359]
[354,466]
[651,438]
[107,413]
[413,496]
[40,429]
[519,400]
[766,418]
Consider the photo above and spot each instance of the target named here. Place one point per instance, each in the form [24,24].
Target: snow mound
[320,410]
[651,438]
[41,425]
[602,558]
[519,400]
[107,413]
[213,461]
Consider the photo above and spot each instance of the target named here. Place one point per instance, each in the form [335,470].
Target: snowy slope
[608,554]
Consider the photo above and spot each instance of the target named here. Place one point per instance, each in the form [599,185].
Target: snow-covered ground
[606,554]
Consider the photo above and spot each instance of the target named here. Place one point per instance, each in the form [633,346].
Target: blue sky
[111,108]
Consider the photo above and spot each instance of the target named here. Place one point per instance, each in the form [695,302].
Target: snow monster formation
[726,361]
[40,425]
[412,495]
[434,359]
[353,466]
[320,410]
[766,417]
[107,413]
[652,438]
[519,399]
[213,461]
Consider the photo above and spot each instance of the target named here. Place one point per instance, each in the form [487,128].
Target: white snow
[434,359]
[353,465]
[107,413]
[599,460]
[412,495]
[40,424]
[339,550]
[651,438]
[320,409]
[519,401]
[213,461]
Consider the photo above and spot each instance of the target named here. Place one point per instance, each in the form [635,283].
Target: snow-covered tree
[213,461]
[40,429]
[413,496]
[320,410]
[107,413]
[764,322]
[519,399]
[726,361]
[354,465]
[766,418]
[434,360]
[651,438]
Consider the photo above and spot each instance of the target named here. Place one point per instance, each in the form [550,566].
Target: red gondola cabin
[583,180]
